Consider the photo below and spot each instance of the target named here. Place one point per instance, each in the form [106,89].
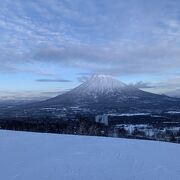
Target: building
[102,119]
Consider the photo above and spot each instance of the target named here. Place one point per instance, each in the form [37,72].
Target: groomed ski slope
[35,156]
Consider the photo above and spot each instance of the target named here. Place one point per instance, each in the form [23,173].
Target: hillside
[34,156]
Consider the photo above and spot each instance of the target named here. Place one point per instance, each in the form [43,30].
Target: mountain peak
[100,84]
[101,76]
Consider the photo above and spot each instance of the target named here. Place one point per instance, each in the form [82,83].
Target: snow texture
[131,114]
[35,156]
[173,112]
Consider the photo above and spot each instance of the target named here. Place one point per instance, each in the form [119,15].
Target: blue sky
[51,45]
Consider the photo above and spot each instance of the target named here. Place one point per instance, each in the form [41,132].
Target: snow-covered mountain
[100,84]
[102,92]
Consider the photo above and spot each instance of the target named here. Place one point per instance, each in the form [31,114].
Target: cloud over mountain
[50,39]
[116,46]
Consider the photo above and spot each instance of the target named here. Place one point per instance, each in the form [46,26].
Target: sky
[50,46]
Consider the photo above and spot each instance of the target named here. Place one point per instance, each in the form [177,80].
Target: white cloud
[114,37]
